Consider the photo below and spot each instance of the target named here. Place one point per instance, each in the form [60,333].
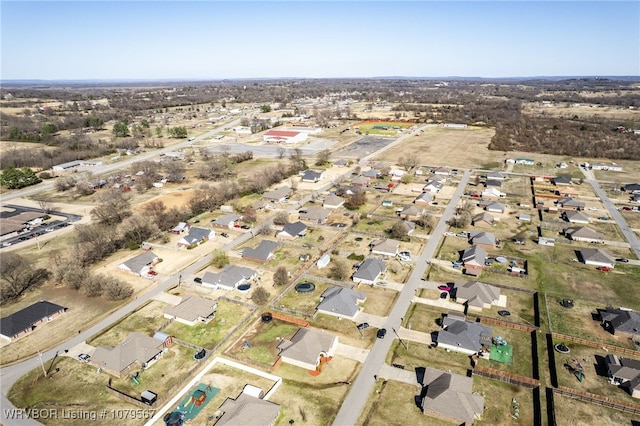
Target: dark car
[381,333]
[224,234]
[197,280]
[443,295]
[245,227]
[363,325]
[504,313]
[622,259]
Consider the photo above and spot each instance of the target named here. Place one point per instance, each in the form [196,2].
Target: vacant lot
[573,412]
[260,343]
[145,320]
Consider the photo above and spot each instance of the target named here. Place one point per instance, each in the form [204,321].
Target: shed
[148,397]
[323,261]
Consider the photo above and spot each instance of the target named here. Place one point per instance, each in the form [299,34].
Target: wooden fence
[598,345]
[503,376]
[503,323]
[598,400]
[128,398]
[287,318]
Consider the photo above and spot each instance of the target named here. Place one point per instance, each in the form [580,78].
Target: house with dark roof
[450,397]
[292,230]
[473,259]
[369,271]
[140,264]
[575,216]
[311,176]
[340,162]
[624,372]
[596,257]
[567,203]
[196,236]
[306,348]
[136,351]
[263,253]
[247,409]
[229,278]
[341,302]
[583,233]
[460,335]
[496,175]
[413,212]
[561,180]
[192,310]
[482,238]
[371,173]
[492,183]
[478,296]
[227,221]
[279,195]
[493,207]
[25,321]
[622,322]
[632,187]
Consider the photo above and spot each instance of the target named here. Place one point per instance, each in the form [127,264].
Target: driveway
[440,303]
[373,320]
[415,336]
[171,299]
[352,352]
[400,375]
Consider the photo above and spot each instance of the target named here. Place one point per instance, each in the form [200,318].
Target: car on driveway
[405,256]
[622,259]
[443,295]
[84,357]
[363,325]
[197,280]
[381,333]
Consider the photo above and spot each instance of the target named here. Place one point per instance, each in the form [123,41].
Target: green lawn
[145,320]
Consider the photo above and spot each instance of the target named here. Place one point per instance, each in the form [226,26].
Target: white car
[405,256]
[6,244]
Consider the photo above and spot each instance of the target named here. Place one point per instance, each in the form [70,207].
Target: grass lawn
[421,355]
[263,339]
[423,318]
[498,403]
[228,315]
[573,412]
[304,302]
[393,403]
[345,330]
[521,342]
[379,301]
[145,320]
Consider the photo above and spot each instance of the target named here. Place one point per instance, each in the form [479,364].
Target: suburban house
[360,181]
[283,136]
[575,216]
[620,321]
[443,171]
[412,212]
[596,257]
[229,278]
[311,176]
[140,264]
[315,214]
[478,296]
[492,183]
[24,321]
[450,397]
[612,167]
[493,207]
[192,310]
[292,230]
[473,259]
[340,162]
[248,409]
[306,348]
[371,174]
[180,228]
[467,337]
[632,187]
[279,195]
[341,302]
[481,238]
[583,233]
[525,161]
[196,236]
[483,218]
[227,221]
[433,186]
[561,180]
[136,351]
[624,372]
[369,271]
[385,247]
[333,202]
[493,193]
[409,226]
[496,176]
[567,191]
[424,199]
[263,253]
[567,203]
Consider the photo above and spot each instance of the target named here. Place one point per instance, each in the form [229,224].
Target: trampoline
[305,287]
[243,288]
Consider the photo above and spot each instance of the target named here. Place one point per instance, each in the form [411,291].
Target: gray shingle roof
[294,229]
[464,334]
[622,320]
[229,277]
[192,307]
[307,345]
[263,252]
[248,410]
[342,301]
[370,269]
[135,264]
[25,318]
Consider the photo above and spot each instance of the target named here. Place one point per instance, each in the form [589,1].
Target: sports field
[375,127]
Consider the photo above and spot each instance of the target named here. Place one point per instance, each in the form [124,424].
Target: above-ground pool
[305,287]
[244,287]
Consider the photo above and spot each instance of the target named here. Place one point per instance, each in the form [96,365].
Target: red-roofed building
[283,136]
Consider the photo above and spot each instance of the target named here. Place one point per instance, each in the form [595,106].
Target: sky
[210,40]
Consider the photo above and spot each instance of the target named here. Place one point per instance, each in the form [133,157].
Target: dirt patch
[177,198]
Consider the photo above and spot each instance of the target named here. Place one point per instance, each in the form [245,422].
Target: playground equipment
[499,341]
[562,348]
[575,368]
[134,378]
[515,408]
[246,344]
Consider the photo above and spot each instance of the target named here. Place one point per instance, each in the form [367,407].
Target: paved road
[363,385]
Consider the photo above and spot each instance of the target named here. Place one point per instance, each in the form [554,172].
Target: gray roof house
[311,176]
[473,258]
[575,216]
[596,257]
[483,218]
[137,350]
[492,183]
[140,264]
[333,202]
[412,212]
[306,347]
[24,321]
[494,207]
[385,247]
[450,397]
[477,295]
[371,173]
[486,239]
[624,372]
[246,409]
[341,302]
[196,236]
[315,214]
[263,253]
[623,322]
[568,203]
[583,233]
[424,198]
[192,310]
[433,186]
[278,195]
[361,181]
[292,230]
[229,278]
[561,180]
[226,221]
[496,175]
[463,336]
[369,271]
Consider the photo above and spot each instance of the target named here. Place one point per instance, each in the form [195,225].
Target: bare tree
[44,202]
[339,270]
[281,276]
[17,275]
[113,206]
[281,218]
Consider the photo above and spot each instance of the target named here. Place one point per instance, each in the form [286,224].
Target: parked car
[49,230]
[225,235]
[622,259]
[6,244]
[504,313]
[197,280]
[84,357]
[363,325]
[381,333]
[603,268]
[245,227]
[405,256]
[443,295]
[444,287]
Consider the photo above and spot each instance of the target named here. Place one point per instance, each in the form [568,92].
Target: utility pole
[401,342]
[42,364]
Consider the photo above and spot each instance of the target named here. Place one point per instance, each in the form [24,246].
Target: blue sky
[317,39]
